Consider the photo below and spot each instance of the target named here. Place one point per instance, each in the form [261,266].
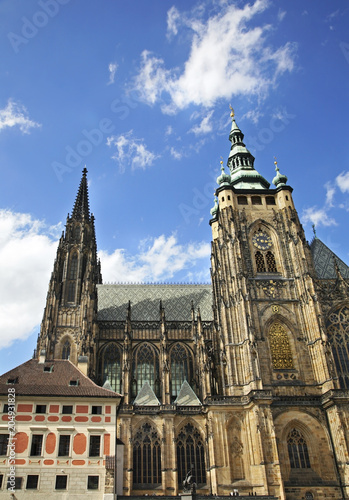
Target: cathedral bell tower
[270,327]
[67,328]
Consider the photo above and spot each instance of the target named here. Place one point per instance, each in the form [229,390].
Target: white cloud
[158,259]
[205,126]
[330,192]
[281,14]
[317,216]
[112,70]
[228,57]
[27,250]
[177,155]
[132,151]
[16,115]
[173,18]
[342,181]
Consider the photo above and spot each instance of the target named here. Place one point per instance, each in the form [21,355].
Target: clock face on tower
[262,241]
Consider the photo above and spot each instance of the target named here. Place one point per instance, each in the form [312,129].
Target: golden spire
[275,163]
[232,114]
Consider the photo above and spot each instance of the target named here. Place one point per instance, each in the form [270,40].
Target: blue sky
[139,91]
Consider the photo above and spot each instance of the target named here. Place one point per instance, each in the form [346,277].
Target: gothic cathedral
[243,382]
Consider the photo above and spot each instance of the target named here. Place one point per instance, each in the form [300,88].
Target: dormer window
[13,380]
[74,382]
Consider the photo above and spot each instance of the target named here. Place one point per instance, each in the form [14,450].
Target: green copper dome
[214,210]
[280,179]
[223,179]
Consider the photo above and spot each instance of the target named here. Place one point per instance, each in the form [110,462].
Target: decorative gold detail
[275,161]
[275,308]
[280,347]
[232,114]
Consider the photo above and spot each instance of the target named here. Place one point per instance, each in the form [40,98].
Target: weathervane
[275,163]
[232,114]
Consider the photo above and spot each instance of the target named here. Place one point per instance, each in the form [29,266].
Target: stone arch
[318,446]
[61,348]
[236,446]
[265,260]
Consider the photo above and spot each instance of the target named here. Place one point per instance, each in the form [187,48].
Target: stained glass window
[73,269]
[181,366]
[338,336]
[146,457]
[110,366]
[280,348]
[191,455]
[298,450]
[145,369]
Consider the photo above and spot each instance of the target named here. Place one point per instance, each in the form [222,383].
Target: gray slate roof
[145,302]
[323,261]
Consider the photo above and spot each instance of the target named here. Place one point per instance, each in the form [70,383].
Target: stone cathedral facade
[245,381]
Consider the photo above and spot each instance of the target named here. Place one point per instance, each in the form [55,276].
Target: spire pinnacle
[81,206]
[279,179]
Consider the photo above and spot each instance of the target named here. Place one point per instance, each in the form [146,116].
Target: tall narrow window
[297,450]
[338,336]
[146,368]
[181,367]
[64,445]
[66,350]
[36,447]
[191,455]
[260,263]
[146,457]
[71,291]
[73,269]
[110,366]
[3,444]
[95,446]
[271,264]
[280,348]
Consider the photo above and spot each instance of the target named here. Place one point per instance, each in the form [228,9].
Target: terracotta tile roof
[33,380]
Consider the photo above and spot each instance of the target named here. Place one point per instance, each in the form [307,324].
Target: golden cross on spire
[232,114]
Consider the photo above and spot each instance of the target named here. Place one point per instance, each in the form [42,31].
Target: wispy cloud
[24,273]
[204,127]
[318,216]
[131,150]
[158,259]
[228,57]
[112,70]
[16,115]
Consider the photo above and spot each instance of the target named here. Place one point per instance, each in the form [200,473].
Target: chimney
[83,364]
[42,357]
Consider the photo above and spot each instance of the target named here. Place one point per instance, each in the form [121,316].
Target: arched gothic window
[145,369]
[181,367]
[280,348]
[298,450]
[338,336]
[264,257]
[66,350]
[146,457]
[191,455]
[110,366]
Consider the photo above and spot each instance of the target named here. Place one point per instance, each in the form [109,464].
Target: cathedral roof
[324,261]
[52,378]
[176,300]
